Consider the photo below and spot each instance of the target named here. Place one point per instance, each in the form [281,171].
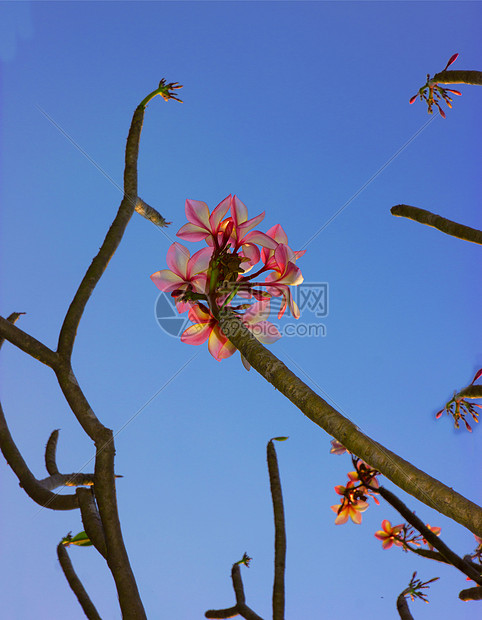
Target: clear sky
[294,107]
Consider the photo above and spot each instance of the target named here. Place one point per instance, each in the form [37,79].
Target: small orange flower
[349,509]
[389,534]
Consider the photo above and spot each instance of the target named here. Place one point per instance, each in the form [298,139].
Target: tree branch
[280,534]
[433,539]
[25,342]
[402,473]
[240,609]
[38,490]
[111,241]
[105,493]
[76,585]
[458,77]
[437,221]
[471,594]
[91,520]
[403,608]
[471,391]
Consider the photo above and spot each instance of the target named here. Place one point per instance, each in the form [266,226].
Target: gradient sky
[294,107]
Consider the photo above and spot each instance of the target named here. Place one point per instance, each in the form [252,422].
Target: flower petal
[197,212]
[177,259]
[196,334]
[167,281]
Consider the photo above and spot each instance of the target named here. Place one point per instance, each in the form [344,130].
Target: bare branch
[35,489]
[471,594]
[75,584]
[105,493]
[437,221]
[25,342]
[402,473]
[403,608]
[57,479]
[51,453]
[240,609]
[111,241]
[280,534]
[91,520]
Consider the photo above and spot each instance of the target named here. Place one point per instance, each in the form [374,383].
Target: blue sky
[292,106]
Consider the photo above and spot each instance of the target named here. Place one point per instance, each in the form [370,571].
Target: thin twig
[111,241]
[76,585]
[437,221]
[430,537]
[280,534]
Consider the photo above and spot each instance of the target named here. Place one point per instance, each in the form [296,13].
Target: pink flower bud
[452,60]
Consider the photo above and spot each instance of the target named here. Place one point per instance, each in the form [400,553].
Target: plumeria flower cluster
[403,535]
[432,93]
[206,283]
[363,484]
[359,488]
[459,407]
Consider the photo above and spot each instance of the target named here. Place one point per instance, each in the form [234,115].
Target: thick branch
[111,241]
[430,537]
[402,473]
[458,77]
[280,534]
[105,493]
[76,585]
[437,221]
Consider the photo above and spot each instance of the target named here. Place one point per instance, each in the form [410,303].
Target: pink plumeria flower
[285,274]
[278,234]
[206,327]
[388,534]
[185,273]
[201,224]
[242,236]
